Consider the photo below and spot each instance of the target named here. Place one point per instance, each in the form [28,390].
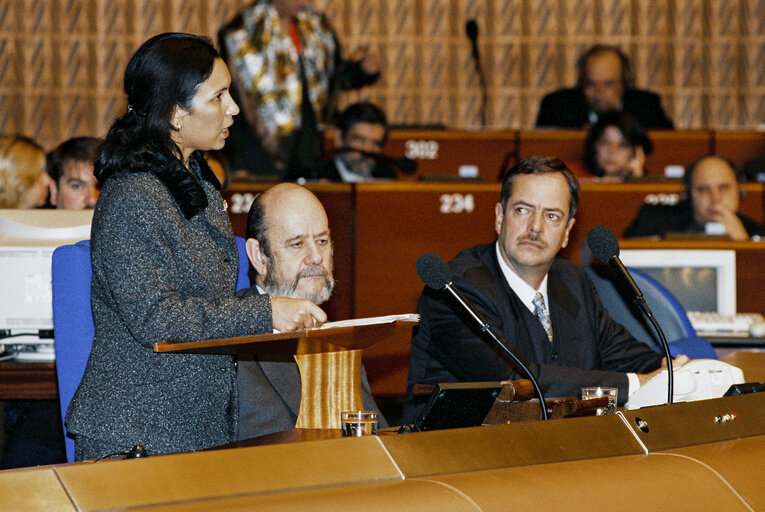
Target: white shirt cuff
[633,383]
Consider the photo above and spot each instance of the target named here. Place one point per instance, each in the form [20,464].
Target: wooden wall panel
[61,61]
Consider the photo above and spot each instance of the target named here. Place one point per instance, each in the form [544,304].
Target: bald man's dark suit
[269,393]
[589,348]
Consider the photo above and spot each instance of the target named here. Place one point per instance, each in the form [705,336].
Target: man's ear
[568,230]
[53,192]
[257,258]
[499,215]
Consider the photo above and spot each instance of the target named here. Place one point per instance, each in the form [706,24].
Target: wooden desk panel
[614,205]
[28,381]
[442,152]
[395,224]
[670,147]
[739,146]
[677,148]
[568,145]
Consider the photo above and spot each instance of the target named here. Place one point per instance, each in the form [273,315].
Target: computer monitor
[700,279]
[27,241]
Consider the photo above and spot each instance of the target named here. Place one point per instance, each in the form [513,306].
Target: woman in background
[164,264]
[616,147]
[23,180]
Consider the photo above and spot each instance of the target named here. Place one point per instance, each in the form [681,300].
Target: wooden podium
[329,360]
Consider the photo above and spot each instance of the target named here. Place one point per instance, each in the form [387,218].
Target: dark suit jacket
[269,394]
[329,172]
[588,349]
[567,108]
[658,220]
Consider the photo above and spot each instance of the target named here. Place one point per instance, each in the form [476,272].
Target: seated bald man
[290,249]
[712,197]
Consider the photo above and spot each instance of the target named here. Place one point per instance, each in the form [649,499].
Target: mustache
[531,237]
[314,270]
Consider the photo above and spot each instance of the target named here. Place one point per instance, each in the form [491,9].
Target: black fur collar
[185,187]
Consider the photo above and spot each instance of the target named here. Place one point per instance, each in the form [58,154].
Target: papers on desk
[374,320]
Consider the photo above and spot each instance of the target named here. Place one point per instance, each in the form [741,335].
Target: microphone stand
[664,345]
[486,328]
[639,300]
[481,83]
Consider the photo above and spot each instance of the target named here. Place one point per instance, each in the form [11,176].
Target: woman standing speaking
[164,263]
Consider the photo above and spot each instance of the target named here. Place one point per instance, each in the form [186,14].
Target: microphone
[471,30]
[436,275]
[403,163]
[605,247]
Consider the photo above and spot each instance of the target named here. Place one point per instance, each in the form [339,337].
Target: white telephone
[698,379]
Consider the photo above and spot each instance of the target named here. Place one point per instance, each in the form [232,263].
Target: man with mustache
[290,249]
[545,308]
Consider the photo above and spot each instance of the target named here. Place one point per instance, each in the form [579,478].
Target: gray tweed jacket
[164,268]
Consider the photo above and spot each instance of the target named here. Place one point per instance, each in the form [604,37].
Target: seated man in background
[605,82]
[545,308]
[290,249]
[711,204]
[363,130]
[70,166]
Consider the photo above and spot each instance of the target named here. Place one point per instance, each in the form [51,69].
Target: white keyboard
[710,322]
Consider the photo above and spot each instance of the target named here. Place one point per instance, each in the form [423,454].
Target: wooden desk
[395,224]
[28,381]
[442,152]
[614,205]
[671,147]
[677,147]
[739,146]
[568,145]
[519,466]
[387,226]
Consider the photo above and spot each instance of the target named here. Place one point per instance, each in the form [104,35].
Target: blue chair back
[73,318]
[669,313]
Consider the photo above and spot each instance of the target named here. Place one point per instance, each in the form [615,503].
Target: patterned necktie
[544,317]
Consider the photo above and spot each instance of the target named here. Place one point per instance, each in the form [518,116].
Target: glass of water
[358,423]
[599,391]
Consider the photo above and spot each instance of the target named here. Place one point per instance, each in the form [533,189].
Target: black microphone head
[406,165]
[602,243]
[433,271]
[137,452]
[471,29]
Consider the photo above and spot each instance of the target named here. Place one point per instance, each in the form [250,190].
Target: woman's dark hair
[630,129]
[164,72]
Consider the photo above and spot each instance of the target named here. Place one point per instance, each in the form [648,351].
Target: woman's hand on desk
[677,362]
[295,314]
